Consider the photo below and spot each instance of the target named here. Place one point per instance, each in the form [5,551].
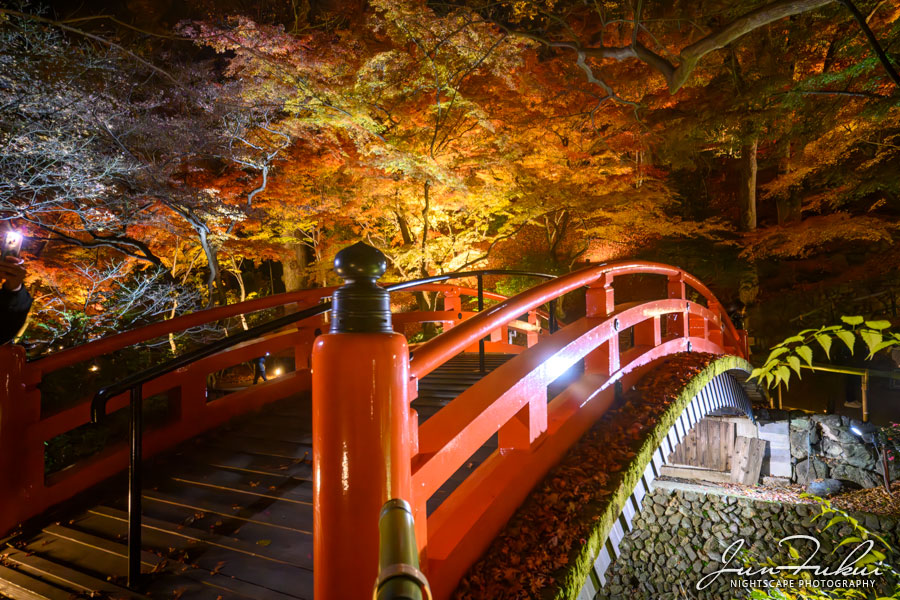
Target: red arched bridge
[443,439]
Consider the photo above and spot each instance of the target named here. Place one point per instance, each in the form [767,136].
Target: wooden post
[600,298]
[361,428]
[17,460]
[697,326]
[677,323]
[531,337]
[864,387]
[647,332]
[452,303]
[600,302]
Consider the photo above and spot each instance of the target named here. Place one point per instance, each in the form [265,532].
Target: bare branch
[91,36]
[834,93]
[637,22]
[754,19]
[120,243]
[690,56]
[873,41]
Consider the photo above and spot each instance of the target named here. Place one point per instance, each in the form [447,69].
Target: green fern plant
[786,358]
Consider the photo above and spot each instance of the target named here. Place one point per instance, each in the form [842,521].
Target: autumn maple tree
[200,152]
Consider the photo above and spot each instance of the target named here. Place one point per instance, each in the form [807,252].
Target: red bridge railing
[26,426]
[369,447]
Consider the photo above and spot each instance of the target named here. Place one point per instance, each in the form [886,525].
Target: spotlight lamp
[868,433]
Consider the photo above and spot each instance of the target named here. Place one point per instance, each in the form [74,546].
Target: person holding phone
[15,301]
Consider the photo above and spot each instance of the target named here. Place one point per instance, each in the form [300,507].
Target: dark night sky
[158,15]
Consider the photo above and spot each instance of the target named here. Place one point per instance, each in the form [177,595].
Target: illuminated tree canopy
[162,158]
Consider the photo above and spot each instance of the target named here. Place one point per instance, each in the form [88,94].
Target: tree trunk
[215,272]
[322,268]
[172,314]
[296,268]
[240,280]
[174,302]
[427,301]
[424,301]
[747,195]
[556,229]
[405,232]
[423,265]
[789,208]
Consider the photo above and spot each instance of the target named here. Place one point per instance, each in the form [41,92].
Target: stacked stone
[836,452]
[679,536]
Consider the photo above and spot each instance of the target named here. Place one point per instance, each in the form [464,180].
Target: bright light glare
[556,366]
[94,368]
[13,238]
[856,430]
[278,372]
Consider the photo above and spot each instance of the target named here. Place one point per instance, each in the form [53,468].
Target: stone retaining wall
[836,452]
[803,446]
[681,533]
[578,578]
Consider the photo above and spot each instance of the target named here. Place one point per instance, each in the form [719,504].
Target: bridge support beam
[361,428]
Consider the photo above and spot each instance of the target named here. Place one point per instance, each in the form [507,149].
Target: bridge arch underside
[720,392]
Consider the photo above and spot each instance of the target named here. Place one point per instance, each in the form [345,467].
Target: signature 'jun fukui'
[846,568]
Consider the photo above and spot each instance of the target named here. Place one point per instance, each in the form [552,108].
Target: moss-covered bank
[548,548]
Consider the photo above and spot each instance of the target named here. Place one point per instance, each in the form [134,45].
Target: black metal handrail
[98,405]
[134,384]
[396,287]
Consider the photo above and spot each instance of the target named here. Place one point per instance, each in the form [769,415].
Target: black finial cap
[360,260]
[361,305]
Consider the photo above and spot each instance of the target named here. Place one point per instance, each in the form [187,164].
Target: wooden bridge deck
[226,515]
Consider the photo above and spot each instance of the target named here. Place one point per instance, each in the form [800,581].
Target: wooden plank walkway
[226,515]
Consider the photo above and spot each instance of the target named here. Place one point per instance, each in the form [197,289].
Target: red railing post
[715,328]
[453,303]
[697,326]
[600,298]
[16,417]
[744,342]
[361,428]
[676,324]
[648,332]
[600,302]
[192,392]
[500,335]
[531,337]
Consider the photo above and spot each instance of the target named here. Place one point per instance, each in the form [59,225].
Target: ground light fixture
[868,433]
